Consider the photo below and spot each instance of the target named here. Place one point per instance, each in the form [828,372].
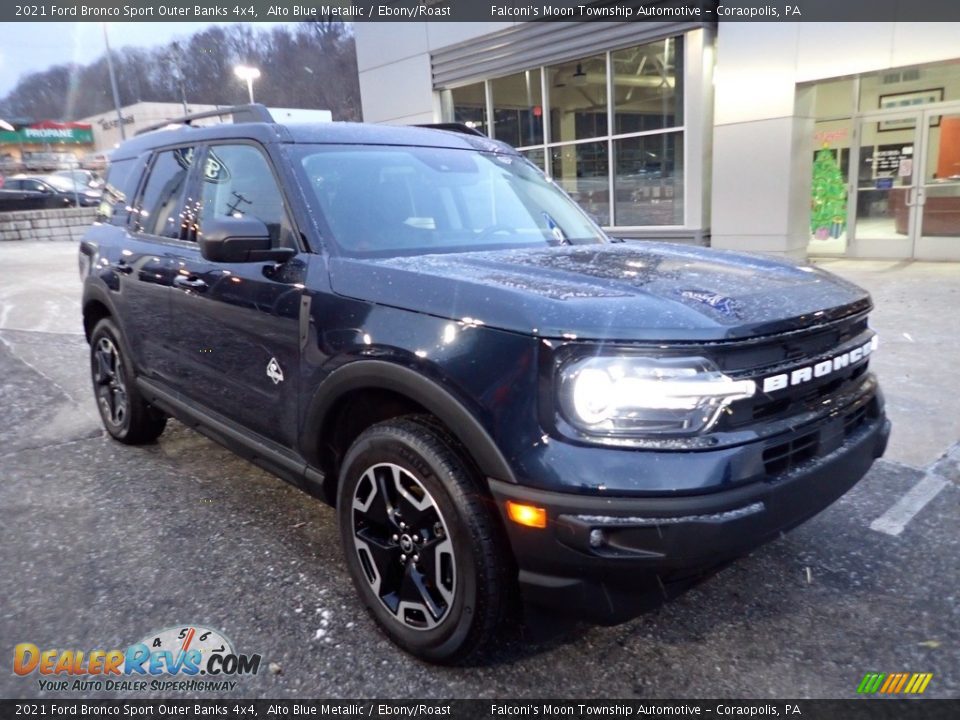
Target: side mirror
[239,240]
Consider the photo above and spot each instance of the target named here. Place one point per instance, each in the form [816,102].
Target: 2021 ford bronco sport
[421,329]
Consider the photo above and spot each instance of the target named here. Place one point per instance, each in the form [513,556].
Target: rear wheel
[124,413]
[423,548]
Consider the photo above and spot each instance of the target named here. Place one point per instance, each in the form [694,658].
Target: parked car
[84,178]
[418,327]
[62,191]
[14,197]
[11,200]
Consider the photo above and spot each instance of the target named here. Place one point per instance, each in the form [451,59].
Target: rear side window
[158,210]
[115,201]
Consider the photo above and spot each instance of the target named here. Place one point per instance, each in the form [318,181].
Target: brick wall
[66,224]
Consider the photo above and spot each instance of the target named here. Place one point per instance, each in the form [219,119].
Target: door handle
[917,198]
[188,282]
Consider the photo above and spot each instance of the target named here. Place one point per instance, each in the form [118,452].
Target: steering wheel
[491,230]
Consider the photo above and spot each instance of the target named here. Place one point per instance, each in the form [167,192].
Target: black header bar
[499,709]
[707,11]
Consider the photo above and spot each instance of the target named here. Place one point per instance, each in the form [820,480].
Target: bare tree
[312,65]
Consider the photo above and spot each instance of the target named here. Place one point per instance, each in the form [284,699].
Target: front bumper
[607,559]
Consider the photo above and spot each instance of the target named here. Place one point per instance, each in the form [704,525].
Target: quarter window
[113,204]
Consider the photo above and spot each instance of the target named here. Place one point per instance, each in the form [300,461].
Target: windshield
[383,201]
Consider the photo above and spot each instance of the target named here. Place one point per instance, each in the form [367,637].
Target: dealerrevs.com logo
[186,658]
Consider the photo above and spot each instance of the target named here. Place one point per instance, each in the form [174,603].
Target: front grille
[786,456]
[783,354]
[854,421]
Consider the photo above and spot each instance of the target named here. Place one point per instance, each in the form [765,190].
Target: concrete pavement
[106,543]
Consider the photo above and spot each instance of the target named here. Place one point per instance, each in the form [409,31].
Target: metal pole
[250,88]
[175,57]
[113,83]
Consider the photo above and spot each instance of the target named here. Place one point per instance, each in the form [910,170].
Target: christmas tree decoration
[828,207]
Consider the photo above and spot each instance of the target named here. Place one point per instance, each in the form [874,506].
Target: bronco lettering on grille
[825,367]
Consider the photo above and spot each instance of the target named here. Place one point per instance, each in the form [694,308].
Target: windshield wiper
[556,230]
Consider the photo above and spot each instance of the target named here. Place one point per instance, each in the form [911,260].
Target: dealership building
[804,138]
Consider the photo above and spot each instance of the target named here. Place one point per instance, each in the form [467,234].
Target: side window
[158,209]
[238,182]
[113,204]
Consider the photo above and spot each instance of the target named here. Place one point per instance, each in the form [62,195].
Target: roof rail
[253,112]
[453,127]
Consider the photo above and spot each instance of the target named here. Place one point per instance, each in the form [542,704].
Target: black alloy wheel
[109,383]
[123,411]
[424,547]
[404,546]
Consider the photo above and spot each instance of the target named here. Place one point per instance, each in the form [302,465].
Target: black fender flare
[383,375]
[97,293]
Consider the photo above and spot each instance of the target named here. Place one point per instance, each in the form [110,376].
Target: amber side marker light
[528,515]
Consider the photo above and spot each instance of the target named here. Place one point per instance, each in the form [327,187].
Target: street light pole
[245,72]
[175,59]
[113,83]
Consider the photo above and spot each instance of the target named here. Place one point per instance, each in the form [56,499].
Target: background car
[84,178]
[64,192]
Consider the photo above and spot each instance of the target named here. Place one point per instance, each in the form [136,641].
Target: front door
[905,172]
[884,177]
[237,324]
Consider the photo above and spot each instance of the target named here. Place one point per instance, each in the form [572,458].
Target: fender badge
[274,372]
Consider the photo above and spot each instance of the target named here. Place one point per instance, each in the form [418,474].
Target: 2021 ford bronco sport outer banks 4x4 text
[418,327]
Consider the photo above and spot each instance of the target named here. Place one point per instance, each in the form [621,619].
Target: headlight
[635,396]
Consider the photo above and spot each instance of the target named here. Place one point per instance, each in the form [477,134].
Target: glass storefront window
[648,182]
[834,99]
[470,106]
[831,141]
[648,86]
[518,109]
[582,170]
[909,87]
[564,120]
[536,156]
[578,99]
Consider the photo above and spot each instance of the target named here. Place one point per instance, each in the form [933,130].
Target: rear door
[154,223]
[236,325]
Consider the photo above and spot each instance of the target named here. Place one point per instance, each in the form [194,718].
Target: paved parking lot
[104,544]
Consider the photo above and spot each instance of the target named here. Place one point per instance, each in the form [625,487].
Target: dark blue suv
[503,403]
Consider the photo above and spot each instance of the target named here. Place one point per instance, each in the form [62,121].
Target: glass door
[938,197]
[885,181]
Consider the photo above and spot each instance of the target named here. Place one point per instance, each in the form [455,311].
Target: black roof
[332,133]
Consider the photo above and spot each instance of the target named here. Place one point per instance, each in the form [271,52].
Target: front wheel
[422,545]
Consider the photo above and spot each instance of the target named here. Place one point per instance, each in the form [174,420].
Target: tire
[123,411]
[442,585]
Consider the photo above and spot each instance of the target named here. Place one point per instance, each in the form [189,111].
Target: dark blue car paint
[472,337]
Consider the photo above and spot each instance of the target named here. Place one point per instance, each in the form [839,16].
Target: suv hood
[643,291]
